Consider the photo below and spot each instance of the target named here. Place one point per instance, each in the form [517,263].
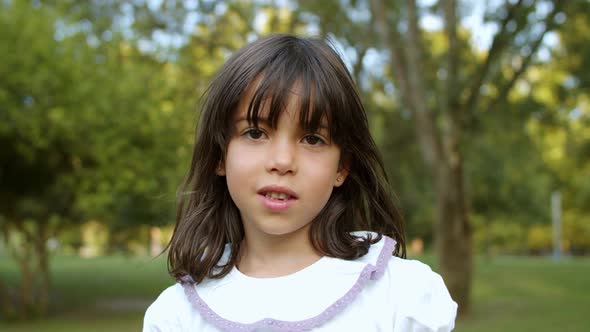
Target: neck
[276,255]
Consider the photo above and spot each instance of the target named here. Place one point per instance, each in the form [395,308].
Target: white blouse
[376,292]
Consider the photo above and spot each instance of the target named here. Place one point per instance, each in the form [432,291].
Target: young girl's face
[280,178]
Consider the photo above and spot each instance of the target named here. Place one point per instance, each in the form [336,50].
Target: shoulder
[414,295]
[420,297]
[410,271]
[168,311]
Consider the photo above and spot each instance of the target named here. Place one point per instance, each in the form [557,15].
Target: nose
[282,157]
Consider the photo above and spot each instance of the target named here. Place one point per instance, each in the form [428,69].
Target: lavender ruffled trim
[370,272]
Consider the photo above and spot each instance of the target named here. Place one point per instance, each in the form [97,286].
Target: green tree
[40,118]
[443,84]
[88,130]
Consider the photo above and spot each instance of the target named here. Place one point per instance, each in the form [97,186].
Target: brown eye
[313,140]
[254,133]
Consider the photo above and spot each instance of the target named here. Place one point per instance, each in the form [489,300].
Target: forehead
[266,102]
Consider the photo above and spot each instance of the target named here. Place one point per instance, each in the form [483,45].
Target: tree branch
[427,130]
[451,114]
[407,72]
[415,58]
[450,14]
[549,25]
[358,66]
[393,43]
[499,43]
[10,248]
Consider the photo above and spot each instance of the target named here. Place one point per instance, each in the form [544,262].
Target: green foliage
[97,115]
[89,128]
[409,177]
[508,236]
[499,236]
[87,131]
[575,53]
[576,232]
[540,239]
[507,174]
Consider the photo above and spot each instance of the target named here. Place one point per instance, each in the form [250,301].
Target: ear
[341,174]
[220,170]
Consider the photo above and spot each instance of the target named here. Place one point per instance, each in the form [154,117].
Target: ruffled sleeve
[425,304]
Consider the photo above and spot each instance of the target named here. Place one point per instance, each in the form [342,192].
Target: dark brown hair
[207,218]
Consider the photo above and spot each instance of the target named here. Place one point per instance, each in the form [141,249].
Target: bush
[539,239]
[498,236]
[576,233]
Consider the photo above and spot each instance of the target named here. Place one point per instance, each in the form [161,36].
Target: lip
[277,205]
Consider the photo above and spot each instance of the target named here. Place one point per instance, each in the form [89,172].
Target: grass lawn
[510,294]
[530,294]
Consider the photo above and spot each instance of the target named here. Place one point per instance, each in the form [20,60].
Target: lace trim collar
[369,272]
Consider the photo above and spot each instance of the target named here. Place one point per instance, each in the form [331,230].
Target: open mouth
[278,196]
[277,193]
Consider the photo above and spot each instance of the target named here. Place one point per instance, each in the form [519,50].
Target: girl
[285,221]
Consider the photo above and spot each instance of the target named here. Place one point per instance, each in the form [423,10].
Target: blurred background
[481,109]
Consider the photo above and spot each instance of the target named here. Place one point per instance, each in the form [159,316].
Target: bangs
[295,74]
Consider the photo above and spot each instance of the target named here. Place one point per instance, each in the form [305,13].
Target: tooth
[277,196]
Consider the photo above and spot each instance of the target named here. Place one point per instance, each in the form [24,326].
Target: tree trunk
[7,310]
[439,147]
[43,266]
[26,287]
[23,255]
[454,245]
